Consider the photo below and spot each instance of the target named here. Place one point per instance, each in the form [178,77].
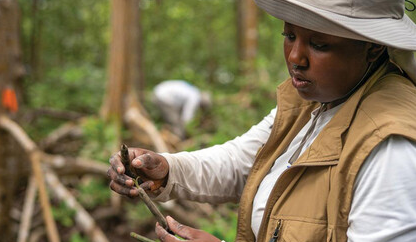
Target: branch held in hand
[142,194]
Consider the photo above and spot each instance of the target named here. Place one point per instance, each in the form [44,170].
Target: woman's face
[328,66]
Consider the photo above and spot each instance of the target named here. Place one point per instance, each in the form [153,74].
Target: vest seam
[298,219]
[376,127]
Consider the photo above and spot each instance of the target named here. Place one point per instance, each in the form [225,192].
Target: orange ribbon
[9,100]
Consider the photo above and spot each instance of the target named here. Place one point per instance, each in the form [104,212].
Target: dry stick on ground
[34,154]
[74,165]
[69,129]
[58,114]
[27,212]
[85,221]
[134,117]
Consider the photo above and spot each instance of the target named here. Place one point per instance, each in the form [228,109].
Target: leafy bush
[63,214]
[93,193]
[100,139]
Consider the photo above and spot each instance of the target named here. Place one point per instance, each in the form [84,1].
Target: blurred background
[77,78]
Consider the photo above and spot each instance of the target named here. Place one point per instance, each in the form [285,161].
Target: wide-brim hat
[382,21]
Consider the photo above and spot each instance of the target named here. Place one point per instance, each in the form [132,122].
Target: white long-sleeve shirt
[384,202]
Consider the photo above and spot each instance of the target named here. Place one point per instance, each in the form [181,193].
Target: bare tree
[247,35]
[11,71]
[121,100]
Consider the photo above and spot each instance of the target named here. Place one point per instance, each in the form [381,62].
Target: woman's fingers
[152,165]
[145,161]
[186,232]
[163,235]
[116,164]
[123,190]
[120,178]
[180,229]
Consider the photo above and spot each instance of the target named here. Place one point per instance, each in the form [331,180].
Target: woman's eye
[288,36]
[318,46]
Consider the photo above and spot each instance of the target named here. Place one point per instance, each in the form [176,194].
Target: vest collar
[326,148]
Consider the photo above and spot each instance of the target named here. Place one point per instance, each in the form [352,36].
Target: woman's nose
[298,54]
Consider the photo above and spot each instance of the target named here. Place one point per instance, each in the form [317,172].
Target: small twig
[27,210]
[82,218]
[140,238]
[143,195]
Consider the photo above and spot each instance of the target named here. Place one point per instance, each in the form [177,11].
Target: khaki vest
[311,200]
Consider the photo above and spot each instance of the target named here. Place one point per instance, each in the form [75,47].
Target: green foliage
[76,237]
[137,212]
[68,31]
[183,42]
[63,214]
[74,87]
[101,138]
[223,228]
[93,193]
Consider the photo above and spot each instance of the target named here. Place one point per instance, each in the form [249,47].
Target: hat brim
[397,33]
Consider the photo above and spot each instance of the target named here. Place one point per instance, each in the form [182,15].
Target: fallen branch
[84,221]
[134,118]
[30,147]
[56,113]
[27,212]
[74,165]
[67,130]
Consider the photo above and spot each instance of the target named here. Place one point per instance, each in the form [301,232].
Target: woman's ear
[375,51]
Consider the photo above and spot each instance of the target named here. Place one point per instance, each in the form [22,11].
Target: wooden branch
[37,234]
[143,195]
[140,238]
[134,118]
[58,114]
[17,132]
[70,165]
[84,221]
[27,212]
[30,147]
[68,129]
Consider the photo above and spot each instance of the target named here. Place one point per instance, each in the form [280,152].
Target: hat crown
[361,8]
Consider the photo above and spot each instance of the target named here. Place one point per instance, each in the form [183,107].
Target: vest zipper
[275,236]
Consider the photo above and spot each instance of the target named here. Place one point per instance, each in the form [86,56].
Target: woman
[336,159]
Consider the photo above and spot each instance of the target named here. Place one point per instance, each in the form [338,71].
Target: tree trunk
[247,35]
[124,59]
[11,71]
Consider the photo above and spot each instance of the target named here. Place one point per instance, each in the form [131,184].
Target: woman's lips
[300,83]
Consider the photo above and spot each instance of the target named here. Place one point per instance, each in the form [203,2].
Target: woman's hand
[188,233]
[152,168]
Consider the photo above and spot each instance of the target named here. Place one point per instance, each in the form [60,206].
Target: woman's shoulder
[390,104]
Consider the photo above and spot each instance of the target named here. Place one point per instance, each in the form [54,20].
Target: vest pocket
[277,231]
[294,230]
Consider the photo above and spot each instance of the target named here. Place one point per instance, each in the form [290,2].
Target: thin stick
[27,210]
[34,155]
[143,195]
[140,238]
[82,218]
